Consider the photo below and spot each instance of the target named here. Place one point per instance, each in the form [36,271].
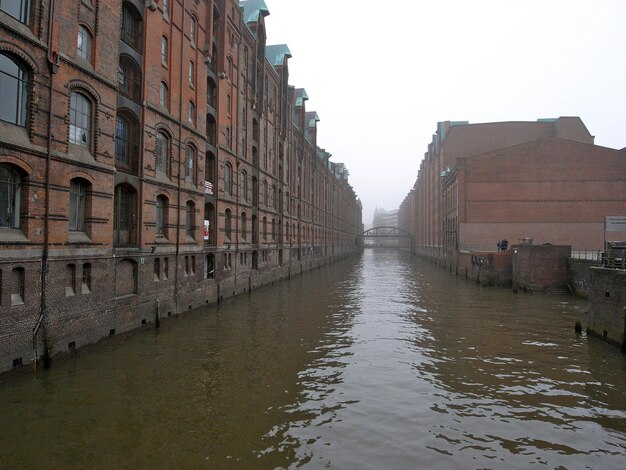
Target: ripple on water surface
[380,362]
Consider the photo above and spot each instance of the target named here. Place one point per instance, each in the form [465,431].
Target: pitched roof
[252,9]
[276,54]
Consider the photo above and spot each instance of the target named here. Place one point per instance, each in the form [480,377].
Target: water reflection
[380,362]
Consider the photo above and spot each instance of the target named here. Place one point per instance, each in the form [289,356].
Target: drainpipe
[53,65]
[180,136]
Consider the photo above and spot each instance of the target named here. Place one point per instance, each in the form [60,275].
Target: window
[162,152]
[193,265]
[190,219]
[86,283]
[244,225]
[211,93]
[210,266]
[78,192]
[209,217]
[164,50]
[192,31]
[126,142]
[161,215]
[163,95]
[83,45]
[243,186]
[190,163]
[265,193]
[211,130]
[191,115]
[129,78]
[131,27]
[80,120]
[228,224]
[10,196]
[70,280]
[124,216]
[157,269]
[13,89]
[166,268]
[18,282]
[192,73]
[265,228]
[18,9]
[273,229]
[228,179]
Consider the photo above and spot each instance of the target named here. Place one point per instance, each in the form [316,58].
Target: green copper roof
[252,9]
[313,118]
[301,97]
[277,54]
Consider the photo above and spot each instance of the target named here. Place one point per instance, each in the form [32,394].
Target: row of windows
[14,78]
[124,222]
[269,198]
[228,226]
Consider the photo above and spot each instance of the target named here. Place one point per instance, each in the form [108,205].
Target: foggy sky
[381,74]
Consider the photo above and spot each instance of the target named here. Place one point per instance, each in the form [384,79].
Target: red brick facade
[154,158]
[544,180]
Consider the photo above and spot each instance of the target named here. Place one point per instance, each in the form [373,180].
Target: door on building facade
[124,216]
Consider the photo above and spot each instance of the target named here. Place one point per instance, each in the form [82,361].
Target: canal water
[378,362]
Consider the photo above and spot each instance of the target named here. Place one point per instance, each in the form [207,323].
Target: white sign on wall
[615,223]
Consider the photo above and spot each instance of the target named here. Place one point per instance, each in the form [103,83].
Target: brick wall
[539,267]
[606,317]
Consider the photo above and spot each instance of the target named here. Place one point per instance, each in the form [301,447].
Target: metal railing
[594,255]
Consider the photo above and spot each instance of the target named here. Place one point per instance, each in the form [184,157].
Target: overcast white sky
[381,74]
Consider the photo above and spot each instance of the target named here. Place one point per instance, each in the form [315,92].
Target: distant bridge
[371,236]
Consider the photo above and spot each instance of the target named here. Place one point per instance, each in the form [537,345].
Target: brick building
[153,158]
[544,180]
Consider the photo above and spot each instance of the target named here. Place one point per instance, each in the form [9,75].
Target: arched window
[264,228]
[243,185]
[210,266]
[13,89]
[255,130]
[126,142]
[162,206]
[164,50]
[191,114]
[244,225]
[84,43]
[157,269]
[162,152]
[18,9]
[129,78]
[273,229]
[164,96]
[190,163]
[228,223]
[192,73]
[192,31]
[211,130]
[124,216]
[80,120]
[228,179]
[211,93]
[131,27]
[70,280]
[78,204]
[190,219]
[86,282]
[209,222]
[266,199]
[10,196]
